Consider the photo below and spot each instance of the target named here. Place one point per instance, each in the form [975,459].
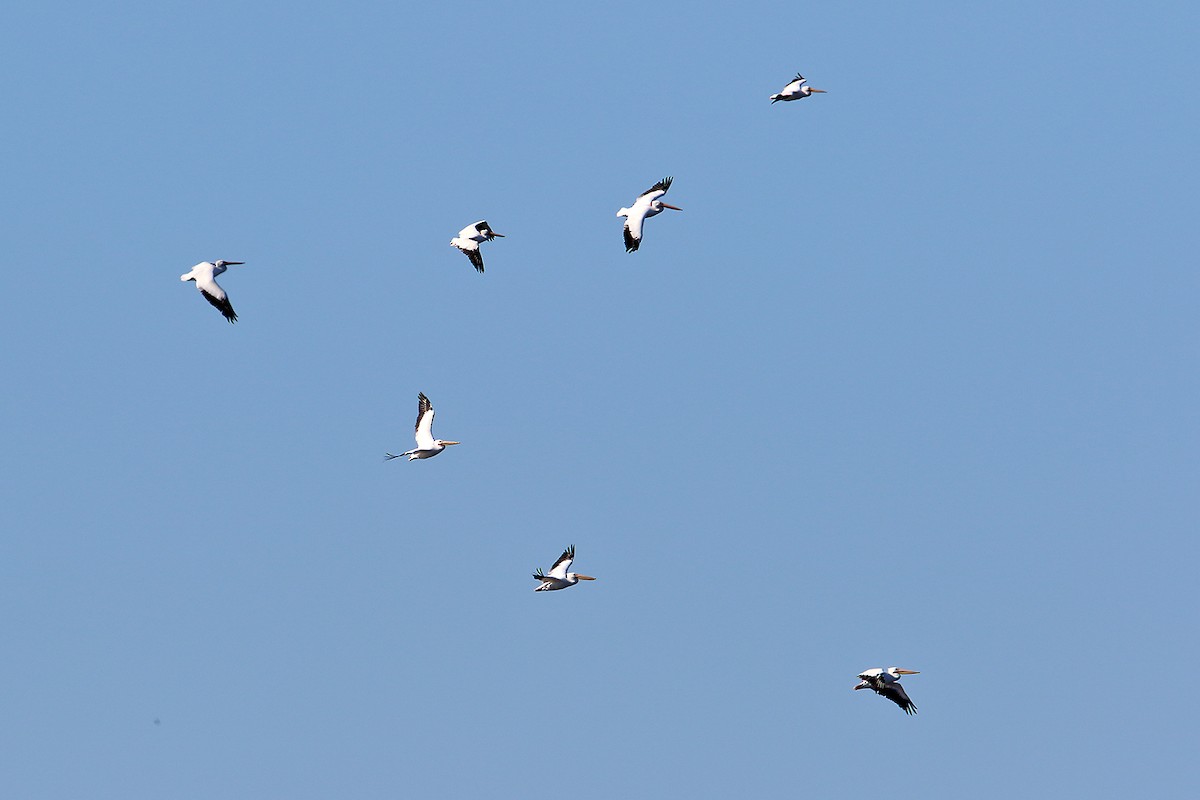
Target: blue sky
[911,380]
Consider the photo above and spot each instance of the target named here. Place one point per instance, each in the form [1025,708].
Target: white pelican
[468,240]
[559,578]
[647,205]
[205,275]
[886,682]
[427,446]
[795,90]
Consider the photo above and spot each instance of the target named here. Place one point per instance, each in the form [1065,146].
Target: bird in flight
[468,240]
[558,577]
[205,275]
[427,446]
[795,90]
[647,205]
[886,682]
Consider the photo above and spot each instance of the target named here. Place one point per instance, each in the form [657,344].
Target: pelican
[427,446]
[468,240]
[647,205]
[205,275]
[886,682]
[559,578]
[795,90]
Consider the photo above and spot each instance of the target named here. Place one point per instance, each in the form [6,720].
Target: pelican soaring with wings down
[558,577]
[647,205]
[205,275]
[427,446]
[468,240]
[886,682]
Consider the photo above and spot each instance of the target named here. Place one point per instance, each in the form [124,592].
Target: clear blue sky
[911,380]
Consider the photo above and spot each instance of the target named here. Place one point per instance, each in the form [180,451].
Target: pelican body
[468,240]
[648,204]
[886,682]
[427,446]
[558,577]
[205,275]
[795,90]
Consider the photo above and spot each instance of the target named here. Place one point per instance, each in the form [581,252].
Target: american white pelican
[468,240]
[205,275]
[558,577]
[795,90]
[647,205]
[886,682]
[427,446]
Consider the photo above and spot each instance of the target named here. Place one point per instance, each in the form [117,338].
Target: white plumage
[795,90]
[468,240]
[205,275]
[647,205]
[427,446]
[886,682]
[558,577]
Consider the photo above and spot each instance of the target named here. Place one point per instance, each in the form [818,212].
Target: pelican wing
[483,229]
[893,691]
[657,190]
[470,249]
[633,227]
[560,568]
[791,90]
[424,426]
[793,86]
[216,295]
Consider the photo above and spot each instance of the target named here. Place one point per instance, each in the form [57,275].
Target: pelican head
[815,91]
[896,671]
[579,577]
[444,443]
[227,263]
[659,205]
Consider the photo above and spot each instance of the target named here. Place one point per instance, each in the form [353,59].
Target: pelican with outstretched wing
[205,275]
[798,89]
[647,205]
[886,682]
[427,446]
[558,577]
[468,240]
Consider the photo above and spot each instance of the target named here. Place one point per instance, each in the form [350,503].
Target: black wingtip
[631,244]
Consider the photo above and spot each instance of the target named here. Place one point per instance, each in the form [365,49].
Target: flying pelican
[886,682]
[468,240]
[795,90]
[427,446]
[647,205]
[559,578]
[205,275]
